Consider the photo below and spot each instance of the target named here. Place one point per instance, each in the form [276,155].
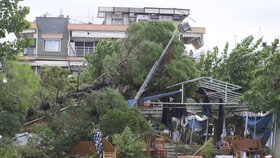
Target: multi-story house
[59,42]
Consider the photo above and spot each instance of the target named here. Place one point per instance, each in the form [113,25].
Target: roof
[97,27]
[146,10]
[99,34]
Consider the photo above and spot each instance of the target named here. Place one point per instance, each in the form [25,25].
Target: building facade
[59,42]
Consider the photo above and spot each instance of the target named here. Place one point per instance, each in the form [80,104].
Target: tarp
[262,123]
[197,123]
[206,109]
[263,127]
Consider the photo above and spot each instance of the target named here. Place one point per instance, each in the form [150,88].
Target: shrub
[128,145]
[208,150]
[7,150]
[115,121]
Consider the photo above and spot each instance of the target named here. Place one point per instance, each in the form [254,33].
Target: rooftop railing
[81,51]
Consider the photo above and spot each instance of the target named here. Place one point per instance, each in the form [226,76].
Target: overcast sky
[225,20]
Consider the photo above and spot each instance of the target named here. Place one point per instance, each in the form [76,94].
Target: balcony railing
[81,51]
[29,52]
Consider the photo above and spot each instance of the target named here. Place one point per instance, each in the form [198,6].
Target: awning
[195,39]
[99,34]
[56,63]
[190,34]
[52,36]
[29,31]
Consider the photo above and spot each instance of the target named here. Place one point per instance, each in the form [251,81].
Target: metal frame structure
[219,90]
[216,90]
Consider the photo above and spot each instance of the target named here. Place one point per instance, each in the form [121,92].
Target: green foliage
[260,83]
[265,88]
[63,130]
[99,102]
[12,21]
[208,151]
[32,149]
[96,62]
[54,83]
[103,105]
[176,71]
[9,151]
[162,127]
[187,150]
[128,63]
[237,67]
[128,144]
[46,135]
[115,121]
[16,95]
[61,133]
[10,123]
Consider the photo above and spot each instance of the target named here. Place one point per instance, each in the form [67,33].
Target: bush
[128,144]
[115,121]
[33,149]
[7,150]
[10,123]
[161,127]
[189,150]
[208,150]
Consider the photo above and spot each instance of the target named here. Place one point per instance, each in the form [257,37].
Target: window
[117,19]
[154,17]
[166,17]
[52,45]
[83,48]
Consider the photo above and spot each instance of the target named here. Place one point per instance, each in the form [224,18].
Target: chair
[109,154]
[161,151]
[249,146]
[224,149]
[231,140]
[149,148]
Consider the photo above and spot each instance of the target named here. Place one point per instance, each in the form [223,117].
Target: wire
[185,14]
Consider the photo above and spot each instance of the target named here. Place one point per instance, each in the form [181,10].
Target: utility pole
[183,27]
[78,80]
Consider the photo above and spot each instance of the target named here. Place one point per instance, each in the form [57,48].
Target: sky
[225,20]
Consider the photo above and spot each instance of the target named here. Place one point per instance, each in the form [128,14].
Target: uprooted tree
[128,62]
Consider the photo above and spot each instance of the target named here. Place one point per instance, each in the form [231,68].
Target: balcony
[28,54]
[80,51]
